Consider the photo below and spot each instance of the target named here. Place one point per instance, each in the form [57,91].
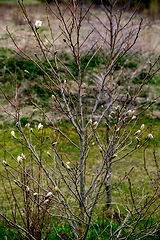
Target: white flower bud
[49,194]
[100,149]
[84,85]
[48,153]
[133,112]
[5,163]
[95,124]
[136,133]
[67,165]
[47,200]
[27,125]
[90,121]
[129,112]
[38,24]
[150,136]
[114,156]
[27,189]
[13,134]
[40,126]
[26,71]
[19,159]
[142,126]
[134,117]
[35,194]
[23,156]
[53,97]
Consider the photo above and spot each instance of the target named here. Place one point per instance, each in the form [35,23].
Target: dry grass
[148,42]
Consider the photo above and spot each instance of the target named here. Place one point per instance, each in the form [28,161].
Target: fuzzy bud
[49,194]
[114,156]
[40,126]
[150,136]
[67,165]
[38,24]
[100,149]
[13,134]
[26,71]
[27,125]
[35,194]
[134,117]
[5,163]
[19,159]
[90,121]
[138,132]
[53,97]
[48,153]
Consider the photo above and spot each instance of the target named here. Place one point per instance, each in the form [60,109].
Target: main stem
[82,187]
[108,181]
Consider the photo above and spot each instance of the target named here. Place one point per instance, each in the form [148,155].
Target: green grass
[101,228]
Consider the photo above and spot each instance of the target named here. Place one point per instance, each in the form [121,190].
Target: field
[133,174]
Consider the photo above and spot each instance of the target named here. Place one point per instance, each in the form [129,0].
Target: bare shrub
[56,173]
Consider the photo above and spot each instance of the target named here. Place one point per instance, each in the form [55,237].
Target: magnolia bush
[62,173]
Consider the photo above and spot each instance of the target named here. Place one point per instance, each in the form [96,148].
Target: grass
[18,67]
[100,228]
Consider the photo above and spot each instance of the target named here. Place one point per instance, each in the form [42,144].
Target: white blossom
[67,165]
[90,121]
[100,149]
[40,126]
[136,133]
[19,159]
[5,163]
[26,71]
[49,194]
[47,200]
[27,125]
[38,24]
[95,124]
[84,85]
[13,134]
[129,112]
[142,126]
[48,153]
[134,117]
[35,194]
[150,136]
[53,97]
[23,156]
